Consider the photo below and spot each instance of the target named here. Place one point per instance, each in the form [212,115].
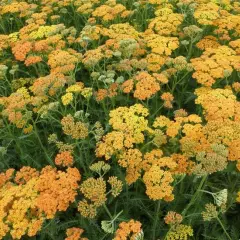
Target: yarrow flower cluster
[128,229]
[95,192]
[37,196]
[180,232]
[141,97]
[75,234]
[128,126]
[214,64]
[77,130]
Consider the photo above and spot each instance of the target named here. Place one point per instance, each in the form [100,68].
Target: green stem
[225,231]
[117,216]
[108,212]
[170,229]
[82,163]
[206,192]
[190,50]
[157,111]
[41,145]
[156,220]
[177,82]
[195,196]
[18,146]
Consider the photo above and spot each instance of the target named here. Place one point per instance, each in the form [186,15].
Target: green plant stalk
[190,50]
[117,215]
[195,196]
[177,82]
[225,231]
[192,200]
[80,150]
[168,233]
[153,115]
[108,212]
[43,148]
[15,140]
[156,220]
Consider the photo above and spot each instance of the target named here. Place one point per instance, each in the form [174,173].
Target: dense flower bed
[120,119]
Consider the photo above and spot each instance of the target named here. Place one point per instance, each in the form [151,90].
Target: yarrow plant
[119,119]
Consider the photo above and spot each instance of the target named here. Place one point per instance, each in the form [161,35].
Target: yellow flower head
[67,98]
[157,183]
[180,232]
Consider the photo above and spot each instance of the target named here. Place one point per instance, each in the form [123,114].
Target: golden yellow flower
[180,232]
[67,98]
[157,183]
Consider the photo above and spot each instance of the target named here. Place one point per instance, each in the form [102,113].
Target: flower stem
[225,231]
[41,145]
[156,220]
[117,215]
[195,196]
[107,211]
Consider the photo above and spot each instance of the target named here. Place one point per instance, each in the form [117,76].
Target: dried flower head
[116,186]
[210,212]
[99,167]
[87,210]
[77,130]
[94,190]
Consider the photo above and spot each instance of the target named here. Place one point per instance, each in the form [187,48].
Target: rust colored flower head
[64,159]
[75,233]
[128,230]
[173,218]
